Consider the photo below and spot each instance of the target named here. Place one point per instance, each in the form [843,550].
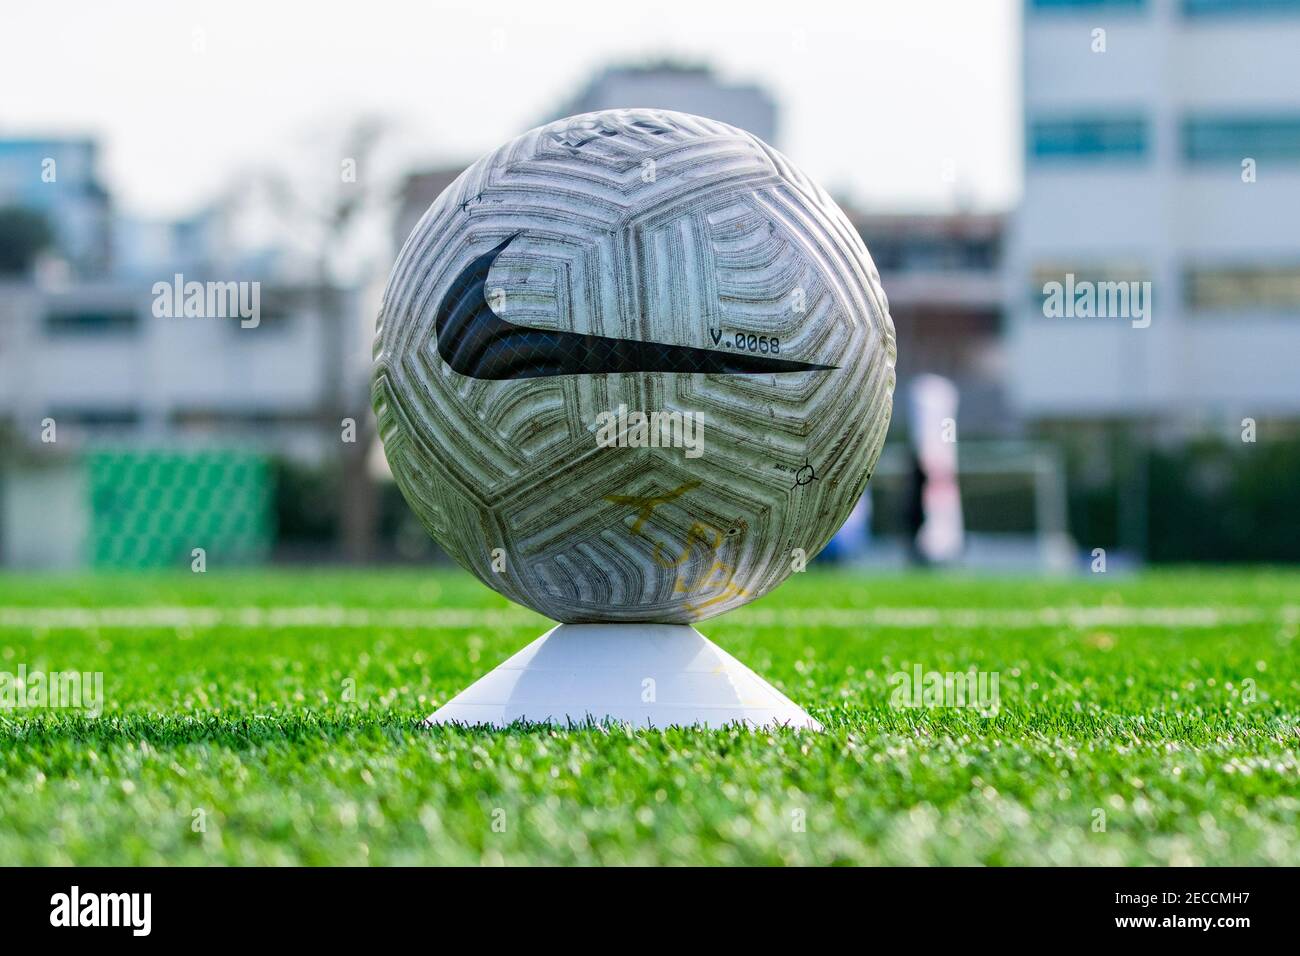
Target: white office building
[98,360]
[1162,145]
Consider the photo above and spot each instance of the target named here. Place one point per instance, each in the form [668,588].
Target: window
[96,417]
[920,253]
[1243,288]
[1213,8]
[278,310]
[1085,278]
[90,321]
[1209,139]
[1088,139]
[1086,6]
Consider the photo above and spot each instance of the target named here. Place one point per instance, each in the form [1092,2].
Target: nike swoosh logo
[476,342]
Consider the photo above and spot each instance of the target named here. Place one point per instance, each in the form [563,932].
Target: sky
[896,104]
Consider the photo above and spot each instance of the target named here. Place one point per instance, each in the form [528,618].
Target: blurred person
[934,516]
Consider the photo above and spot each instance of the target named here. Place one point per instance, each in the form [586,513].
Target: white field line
[1024,618]
[254,618]
[906,618]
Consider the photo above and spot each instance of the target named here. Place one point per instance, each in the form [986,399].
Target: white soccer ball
[633,366]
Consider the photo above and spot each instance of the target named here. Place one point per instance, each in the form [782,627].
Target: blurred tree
[325,213]
[1210,498]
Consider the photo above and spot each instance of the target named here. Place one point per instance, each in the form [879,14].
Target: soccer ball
[633,366]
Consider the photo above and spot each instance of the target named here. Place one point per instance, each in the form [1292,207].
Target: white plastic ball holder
[645,675]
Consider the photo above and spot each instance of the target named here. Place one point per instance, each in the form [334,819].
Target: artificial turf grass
[1144,725]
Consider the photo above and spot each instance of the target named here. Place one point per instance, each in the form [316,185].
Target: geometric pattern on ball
[645,226]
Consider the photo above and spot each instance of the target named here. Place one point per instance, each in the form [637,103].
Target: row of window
[1203,139]
[930,253]
[90,321]
[1265,290]
[108,321]
[1205,288]
[1189,8]
[101,416]
[1258,289]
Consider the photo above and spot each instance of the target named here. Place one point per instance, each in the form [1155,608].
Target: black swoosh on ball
[475,341]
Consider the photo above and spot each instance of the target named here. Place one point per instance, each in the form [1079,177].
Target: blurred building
[147,247]
[136,415]
[89,348]
[1162,145]
[57,178]
[127,439]
[942,274]
[687,88]
[95,358]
